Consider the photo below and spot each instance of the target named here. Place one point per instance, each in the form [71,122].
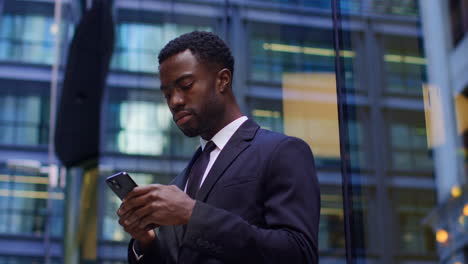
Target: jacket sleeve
[291,204]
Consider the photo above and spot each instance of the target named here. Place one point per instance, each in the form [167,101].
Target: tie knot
[210,146]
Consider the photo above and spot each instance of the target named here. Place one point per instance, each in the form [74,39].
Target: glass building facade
[392,165]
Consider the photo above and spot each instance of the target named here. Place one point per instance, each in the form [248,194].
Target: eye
[186,86]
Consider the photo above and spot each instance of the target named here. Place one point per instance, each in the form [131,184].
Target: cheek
[202,98]
[214,106]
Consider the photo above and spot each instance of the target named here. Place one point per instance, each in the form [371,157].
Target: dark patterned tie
[198,169]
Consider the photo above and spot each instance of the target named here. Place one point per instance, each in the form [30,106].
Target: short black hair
[205,46]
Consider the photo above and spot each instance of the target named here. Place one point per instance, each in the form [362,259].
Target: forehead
[178,64]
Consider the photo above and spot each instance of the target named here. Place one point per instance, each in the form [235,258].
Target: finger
[133,216]
[130,228]
[145,222]
[147,198]
[124,209]
[147,228]
[132,219]
[151,226]
[130,205]
[140,190]
[144,212]
[125,219]
[146,233]
[134,231]
[121,211]
[138,201]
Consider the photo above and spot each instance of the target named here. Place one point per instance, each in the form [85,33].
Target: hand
[144,236]
[156,204]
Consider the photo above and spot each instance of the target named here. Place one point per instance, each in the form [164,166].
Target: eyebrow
[178,80]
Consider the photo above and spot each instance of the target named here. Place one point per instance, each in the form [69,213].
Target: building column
[239,42]
[444,138]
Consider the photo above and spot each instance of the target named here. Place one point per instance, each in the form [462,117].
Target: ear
[223,80]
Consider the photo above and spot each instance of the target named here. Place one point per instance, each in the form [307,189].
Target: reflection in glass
[23,204]
[142,127]
[347,5]
[299,62]
[23,115]
[268,114]
[26,38]
[26,260]
[276,50]
[139,122]
[408,139]
[331,234]
[286,45]
[290,51]
[411,206]
[395,7]
[404,65]
[392,186]
[138,44]
[458,20]
[461,105]
[358,145]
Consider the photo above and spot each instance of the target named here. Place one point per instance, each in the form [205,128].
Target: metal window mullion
[343,132]
[380,142]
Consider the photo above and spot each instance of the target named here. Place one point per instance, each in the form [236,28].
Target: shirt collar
[222,137]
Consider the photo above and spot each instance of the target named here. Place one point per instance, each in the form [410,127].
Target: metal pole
[343,132]
[52,116]
[226,21]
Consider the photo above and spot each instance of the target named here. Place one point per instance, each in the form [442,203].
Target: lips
[182,117]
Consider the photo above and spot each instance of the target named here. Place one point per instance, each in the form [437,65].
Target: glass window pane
[23,113]
[28,38]
[138,44]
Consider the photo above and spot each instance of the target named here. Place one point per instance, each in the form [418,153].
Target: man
[248,195]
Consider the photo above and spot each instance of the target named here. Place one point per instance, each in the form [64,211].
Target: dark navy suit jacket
[260,203]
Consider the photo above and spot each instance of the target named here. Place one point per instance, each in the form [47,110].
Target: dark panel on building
[78,118]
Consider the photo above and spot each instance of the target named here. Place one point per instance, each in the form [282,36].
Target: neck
[231,115]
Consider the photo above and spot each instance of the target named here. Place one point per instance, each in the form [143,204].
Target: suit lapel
[238,143]
[180,181]
[182,178]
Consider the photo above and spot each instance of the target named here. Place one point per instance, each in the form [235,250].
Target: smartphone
[121,183]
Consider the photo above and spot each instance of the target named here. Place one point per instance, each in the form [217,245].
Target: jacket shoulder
[272,139]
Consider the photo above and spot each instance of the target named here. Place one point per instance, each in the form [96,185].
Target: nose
[177,100]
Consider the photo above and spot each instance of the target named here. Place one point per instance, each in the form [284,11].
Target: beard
[206,121]
[190,131]
[198,126]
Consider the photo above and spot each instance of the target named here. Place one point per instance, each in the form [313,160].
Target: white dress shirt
[220,139]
